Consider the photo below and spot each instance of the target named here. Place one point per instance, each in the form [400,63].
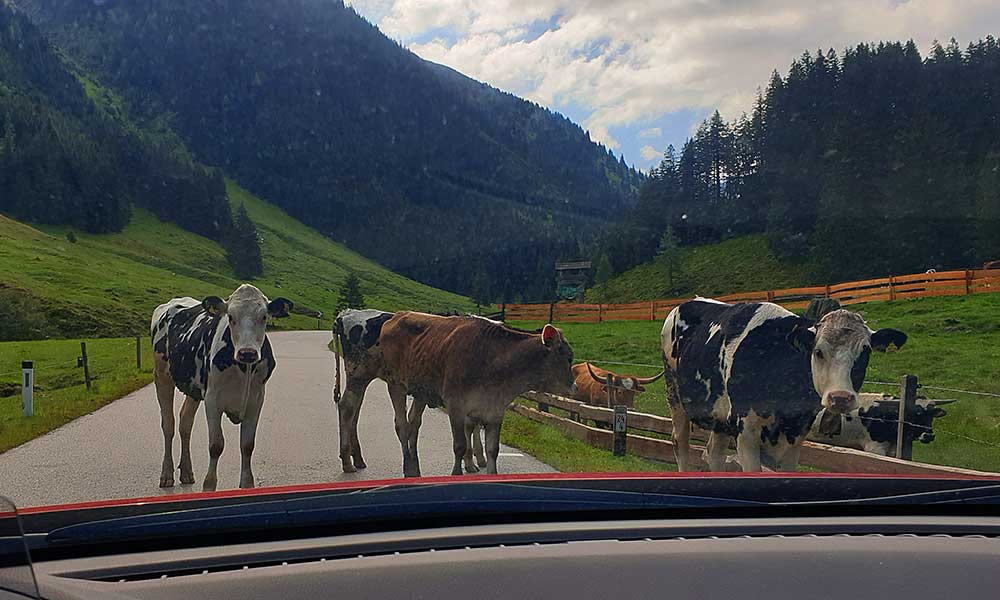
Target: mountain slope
[743,264]
[108,284]
[305,103]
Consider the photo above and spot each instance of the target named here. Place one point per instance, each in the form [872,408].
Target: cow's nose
[841,402]
[247,356]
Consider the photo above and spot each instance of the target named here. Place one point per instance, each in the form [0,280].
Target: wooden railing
[897,287]
[819,456]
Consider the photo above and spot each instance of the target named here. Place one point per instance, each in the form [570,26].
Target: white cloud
[634,60]
[649,153]
[652,132]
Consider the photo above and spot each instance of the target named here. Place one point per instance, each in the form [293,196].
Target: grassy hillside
[737,265]
[107,285]
[953,342]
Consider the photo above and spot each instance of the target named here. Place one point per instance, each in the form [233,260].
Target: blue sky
[641,74]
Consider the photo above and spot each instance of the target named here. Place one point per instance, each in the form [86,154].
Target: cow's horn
[594,375]
[649,380]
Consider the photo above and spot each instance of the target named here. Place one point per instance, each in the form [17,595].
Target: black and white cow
[760,374]
[873,426]
[356,333]
[213,351]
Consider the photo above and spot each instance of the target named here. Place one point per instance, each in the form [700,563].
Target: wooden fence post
[543,407]
[138,352]
[770,295]
[552,310]
[503,311]
[609,382]
[652,310]
[86,367]
[968,282]
[620,429]
[828,290]
[892,287]
[907,407]
[600,313]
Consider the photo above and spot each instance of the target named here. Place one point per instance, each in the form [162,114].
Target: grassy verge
[60,394]
[954,342]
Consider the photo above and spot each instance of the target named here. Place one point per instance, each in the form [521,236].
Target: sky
[641,74]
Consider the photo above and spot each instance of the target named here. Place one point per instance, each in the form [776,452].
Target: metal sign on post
[27,388]
[620,429]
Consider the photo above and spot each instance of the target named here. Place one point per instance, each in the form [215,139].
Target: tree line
[870,162]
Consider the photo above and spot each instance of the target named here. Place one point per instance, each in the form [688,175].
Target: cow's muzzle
[841,402]
[247,356]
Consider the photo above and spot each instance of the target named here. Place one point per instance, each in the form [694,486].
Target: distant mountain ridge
[433,174]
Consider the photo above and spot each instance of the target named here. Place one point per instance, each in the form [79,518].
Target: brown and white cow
[592,388]
[475,367]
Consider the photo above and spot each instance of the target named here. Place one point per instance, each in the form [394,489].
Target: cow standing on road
[475,367]
[213,351]
[760,374]
[592,386]
[356,333]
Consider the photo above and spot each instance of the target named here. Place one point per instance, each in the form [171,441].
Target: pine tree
[243,246]
[350,293]
[481,288]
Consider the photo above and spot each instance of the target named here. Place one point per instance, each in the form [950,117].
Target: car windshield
[308,242]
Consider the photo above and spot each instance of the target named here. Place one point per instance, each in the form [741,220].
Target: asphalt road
[116,451]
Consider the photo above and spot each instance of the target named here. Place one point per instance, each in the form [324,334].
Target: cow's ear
[883,337]
[214,306]
[279,307]
[550,335]
[802,339]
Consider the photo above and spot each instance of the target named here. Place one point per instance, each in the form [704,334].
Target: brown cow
[475,367]
[591,386]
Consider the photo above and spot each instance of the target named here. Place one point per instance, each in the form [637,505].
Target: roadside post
[28,388]
[86,367]
[620,429]
[907,406]
[138,352]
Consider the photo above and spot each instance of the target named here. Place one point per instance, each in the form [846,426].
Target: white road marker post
[28,388]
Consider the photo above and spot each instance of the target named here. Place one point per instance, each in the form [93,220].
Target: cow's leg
[248,436]
[472,436]
[492,446]
[748,447]
[477,445]
[458,439]
[397,393]
[216,443]
[681,436]
[188,410]
[414,420]
[165,398]
[715,451]
[348,410]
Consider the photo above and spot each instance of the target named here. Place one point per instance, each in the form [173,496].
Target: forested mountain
[871,162]
[304,102]
[68,154]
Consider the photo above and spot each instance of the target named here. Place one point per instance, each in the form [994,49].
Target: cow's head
[840,345]
[623,387]
[557,363]
[248,309]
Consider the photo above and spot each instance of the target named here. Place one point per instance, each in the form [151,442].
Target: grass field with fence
[954,342]
[60,392]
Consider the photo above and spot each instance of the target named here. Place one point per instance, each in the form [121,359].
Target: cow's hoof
[247,485]
[187,478]
[360,464]
[166,481]
[208,486]
[349,468]
[481,462]
[471,468]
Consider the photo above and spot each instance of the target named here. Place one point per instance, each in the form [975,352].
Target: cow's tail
[340,354]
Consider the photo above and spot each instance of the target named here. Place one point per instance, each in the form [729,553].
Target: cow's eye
[262,319]
[819,354]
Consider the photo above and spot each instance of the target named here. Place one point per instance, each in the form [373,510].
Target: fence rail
[896,287]
[820,456]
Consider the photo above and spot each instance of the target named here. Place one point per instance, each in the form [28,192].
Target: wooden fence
[896,287]
[820,456]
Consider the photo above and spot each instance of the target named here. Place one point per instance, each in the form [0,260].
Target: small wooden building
[571,279]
